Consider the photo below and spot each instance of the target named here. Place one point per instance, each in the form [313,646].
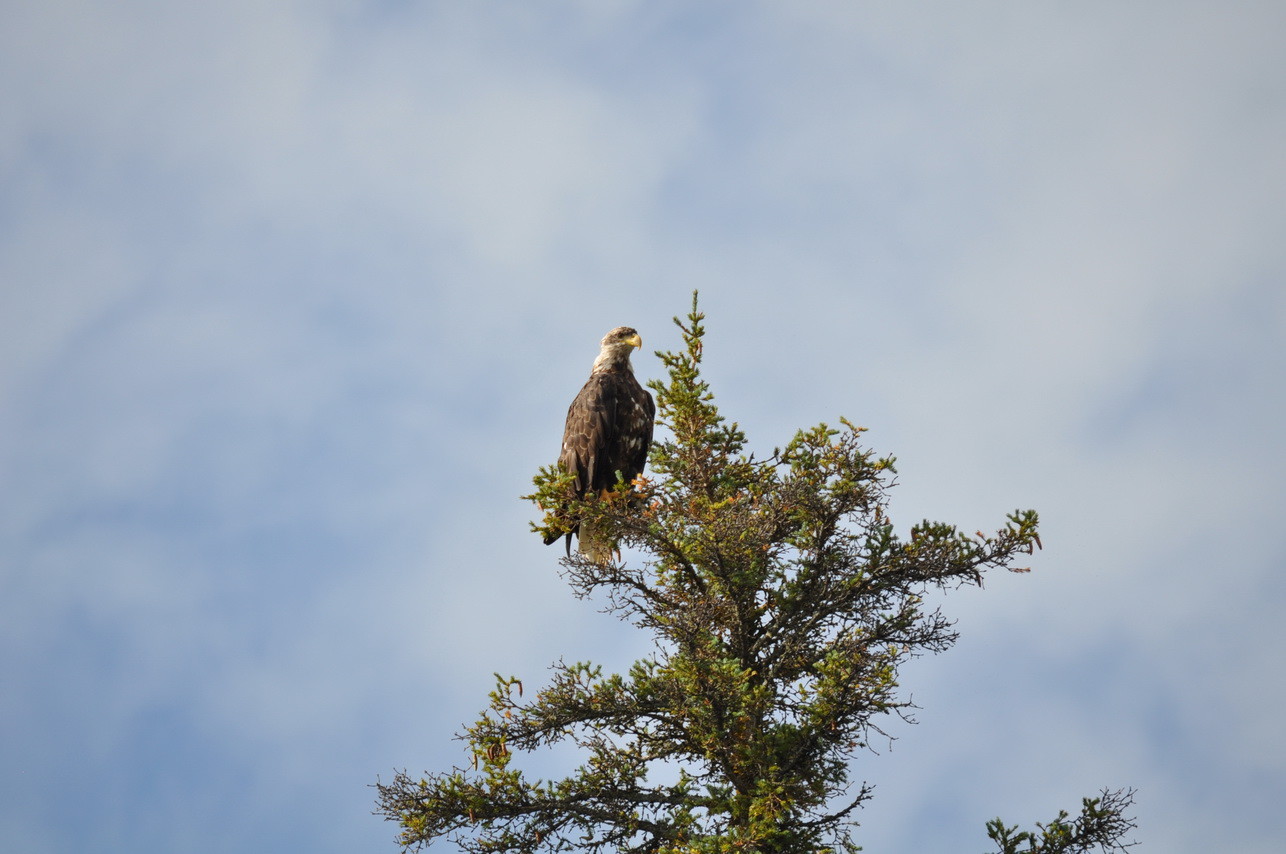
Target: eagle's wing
[641,420]
[591,433]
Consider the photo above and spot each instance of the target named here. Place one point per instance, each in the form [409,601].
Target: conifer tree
[782,601]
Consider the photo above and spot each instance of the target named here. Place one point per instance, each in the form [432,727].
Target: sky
[294,296]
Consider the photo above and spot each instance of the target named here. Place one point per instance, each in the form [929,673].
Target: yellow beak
[635,340]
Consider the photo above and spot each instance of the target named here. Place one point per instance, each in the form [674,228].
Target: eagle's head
[617,346]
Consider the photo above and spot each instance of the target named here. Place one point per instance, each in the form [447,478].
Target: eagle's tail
[595,543]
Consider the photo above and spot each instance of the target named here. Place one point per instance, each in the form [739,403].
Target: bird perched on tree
[609,430]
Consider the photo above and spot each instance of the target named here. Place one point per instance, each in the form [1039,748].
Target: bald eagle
[609,430]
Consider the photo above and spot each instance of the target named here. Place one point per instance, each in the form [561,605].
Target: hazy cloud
[294,299]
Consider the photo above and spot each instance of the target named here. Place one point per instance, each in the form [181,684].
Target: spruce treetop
[781,601]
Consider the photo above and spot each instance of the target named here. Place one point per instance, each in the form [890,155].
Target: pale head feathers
[616,348]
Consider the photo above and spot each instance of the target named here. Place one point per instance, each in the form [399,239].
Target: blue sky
[293,298]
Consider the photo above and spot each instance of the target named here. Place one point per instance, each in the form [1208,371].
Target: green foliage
[782,602]
[1102,824]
